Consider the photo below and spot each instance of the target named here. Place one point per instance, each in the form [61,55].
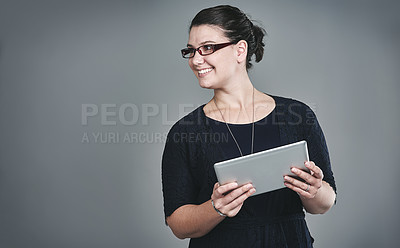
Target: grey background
[340,57]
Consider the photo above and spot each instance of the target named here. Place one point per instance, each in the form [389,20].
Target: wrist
[219,212]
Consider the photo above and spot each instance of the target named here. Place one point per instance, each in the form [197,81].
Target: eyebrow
[202,43]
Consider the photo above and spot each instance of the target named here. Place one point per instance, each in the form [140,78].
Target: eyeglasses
[204,50]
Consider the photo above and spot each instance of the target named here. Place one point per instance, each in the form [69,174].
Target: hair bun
[259,34]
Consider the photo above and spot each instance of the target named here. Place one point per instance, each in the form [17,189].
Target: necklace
[230,131]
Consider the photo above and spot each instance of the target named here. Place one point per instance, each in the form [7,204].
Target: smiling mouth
[205,71]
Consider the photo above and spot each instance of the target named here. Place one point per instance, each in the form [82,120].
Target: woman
[237,121]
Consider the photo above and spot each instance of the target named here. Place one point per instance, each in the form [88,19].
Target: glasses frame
[215,47]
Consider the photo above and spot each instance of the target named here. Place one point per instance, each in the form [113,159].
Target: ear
[241,51]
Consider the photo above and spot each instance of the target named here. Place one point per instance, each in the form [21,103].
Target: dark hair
[236,26]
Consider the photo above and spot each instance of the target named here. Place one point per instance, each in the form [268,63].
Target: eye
[208,47]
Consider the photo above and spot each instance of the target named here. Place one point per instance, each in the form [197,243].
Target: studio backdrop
[89,90]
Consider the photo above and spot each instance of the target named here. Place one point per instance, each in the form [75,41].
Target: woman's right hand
[229,198]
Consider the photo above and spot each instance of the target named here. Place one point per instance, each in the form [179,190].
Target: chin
[206,85]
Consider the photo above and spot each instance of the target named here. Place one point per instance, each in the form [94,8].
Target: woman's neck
[236,94]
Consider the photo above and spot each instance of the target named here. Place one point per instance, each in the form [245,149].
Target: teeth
[205,70]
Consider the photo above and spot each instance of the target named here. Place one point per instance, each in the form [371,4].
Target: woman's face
[215,70]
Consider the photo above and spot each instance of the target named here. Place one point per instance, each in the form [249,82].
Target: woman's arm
[193,221]
[316,195]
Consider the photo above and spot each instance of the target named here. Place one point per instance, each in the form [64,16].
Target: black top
[273,219]
[266,136]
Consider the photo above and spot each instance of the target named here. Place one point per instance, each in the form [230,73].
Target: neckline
[240,124]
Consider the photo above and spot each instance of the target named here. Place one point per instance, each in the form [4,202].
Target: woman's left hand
[312,181]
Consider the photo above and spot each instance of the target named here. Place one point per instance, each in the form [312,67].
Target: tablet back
[263,169]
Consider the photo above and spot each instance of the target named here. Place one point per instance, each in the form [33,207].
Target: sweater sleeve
[177,181]
[317,148]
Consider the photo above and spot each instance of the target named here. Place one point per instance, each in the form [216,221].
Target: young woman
[222,42]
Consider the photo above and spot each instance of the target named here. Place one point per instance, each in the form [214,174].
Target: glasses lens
[187,52]
[207,49]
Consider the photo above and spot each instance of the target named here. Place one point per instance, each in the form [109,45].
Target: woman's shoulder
[285,104]
[293,111]
[287,101]
[192,120]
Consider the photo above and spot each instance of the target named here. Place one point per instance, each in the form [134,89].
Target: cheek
[225,68]
[190,63]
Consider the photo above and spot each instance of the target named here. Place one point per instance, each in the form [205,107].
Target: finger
[316,171]
[219,191]
[216,185]
[234,199]
[238,202]
[307,177]
[237,192]
[298,190]
[234,211]
[296,183]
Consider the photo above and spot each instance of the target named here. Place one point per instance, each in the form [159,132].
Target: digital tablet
[265,169]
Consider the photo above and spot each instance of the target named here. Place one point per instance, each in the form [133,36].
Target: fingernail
[294,170]
[252,191]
